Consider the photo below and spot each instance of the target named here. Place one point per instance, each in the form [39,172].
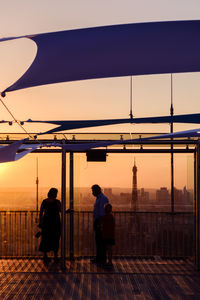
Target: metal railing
[140,234]
[137,234]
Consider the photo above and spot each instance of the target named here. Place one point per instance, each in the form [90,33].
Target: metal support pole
[71,205]
[37,193]
[63,209]
[37,185]
[194,203]
[198,208]
[131,98]
[172,179]
[172,154]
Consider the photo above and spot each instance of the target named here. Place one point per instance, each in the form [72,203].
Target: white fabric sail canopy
[10,153]
[111,51]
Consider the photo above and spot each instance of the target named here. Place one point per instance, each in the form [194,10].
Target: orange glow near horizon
[153,171]
[3,168]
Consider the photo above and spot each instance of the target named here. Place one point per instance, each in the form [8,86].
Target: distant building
[134,200]
[143,196]
[188,195]
[162,195]
[178,196]
[125,199]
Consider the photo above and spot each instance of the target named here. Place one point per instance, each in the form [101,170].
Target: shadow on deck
[127,279]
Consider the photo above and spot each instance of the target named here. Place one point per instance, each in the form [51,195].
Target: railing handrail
[137,233]
[115,211]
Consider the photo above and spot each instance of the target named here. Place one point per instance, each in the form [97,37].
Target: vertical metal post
[37,184]
[172,154]
[198,208]
[37,192]
[131,98]
[194,203]
[71,204]
[172,179]
[63,208]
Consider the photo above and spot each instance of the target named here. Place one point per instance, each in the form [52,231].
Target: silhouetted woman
[50,224]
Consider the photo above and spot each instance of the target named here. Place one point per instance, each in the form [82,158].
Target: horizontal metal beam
[122,151]
[81,142]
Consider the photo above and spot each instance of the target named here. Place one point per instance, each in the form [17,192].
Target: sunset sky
[92,99]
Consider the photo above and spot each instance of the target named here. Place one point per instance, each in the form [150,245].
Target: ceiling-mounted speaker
[96,155]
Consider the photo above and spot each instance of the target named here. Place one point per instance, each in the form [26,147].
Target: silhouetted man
[98,213]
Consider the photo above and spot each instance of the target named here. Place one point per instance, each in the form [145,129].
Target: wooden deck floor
[128,279]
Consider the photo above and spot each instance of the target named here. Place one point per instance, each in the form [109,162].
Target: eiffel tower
[134,200]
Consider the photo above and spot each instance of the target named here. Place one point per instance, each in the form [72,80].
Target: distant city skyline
[25,198]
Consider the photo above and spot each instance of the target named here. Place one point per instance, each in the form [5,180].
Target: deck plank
[136,278]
